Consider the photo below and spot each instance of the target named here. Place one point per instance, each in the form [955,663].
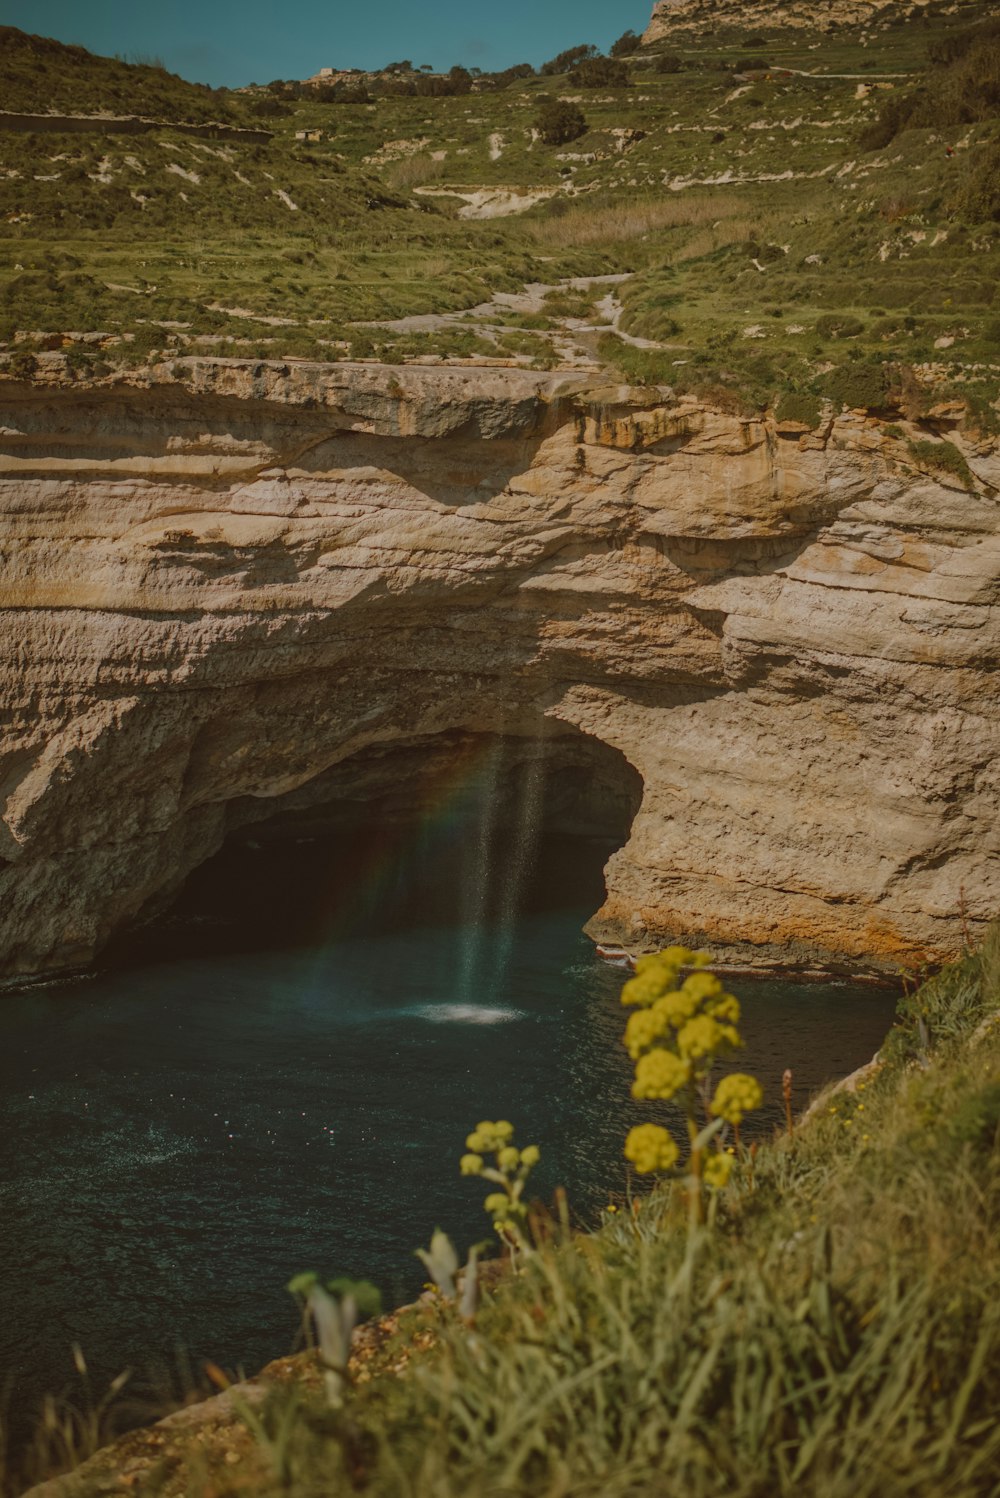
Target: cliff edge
[224,581]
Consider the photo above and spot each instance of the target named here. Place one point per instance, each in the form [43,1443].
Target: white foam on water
[465,1014]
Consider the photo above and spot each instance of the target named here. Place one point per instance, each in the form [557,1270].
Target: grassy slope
[859,254]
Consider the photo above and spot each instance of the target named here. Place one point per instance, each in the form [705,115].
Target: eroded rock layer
[222,581]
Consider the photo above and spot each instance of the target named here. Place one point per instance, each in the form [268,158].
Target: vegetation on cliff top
[768,238]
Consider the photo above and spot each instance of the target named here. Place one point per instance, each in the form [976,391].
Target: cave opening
[457,830]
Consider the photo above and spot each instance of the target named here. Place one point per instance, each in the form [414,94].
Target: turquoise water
[182,1134]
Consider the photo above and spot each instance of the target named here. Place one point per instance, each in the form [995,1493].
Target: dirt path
[573,339]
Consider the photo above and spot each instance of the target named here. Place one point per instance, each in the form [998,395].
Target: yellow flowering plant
[510,1172]
[679,1029]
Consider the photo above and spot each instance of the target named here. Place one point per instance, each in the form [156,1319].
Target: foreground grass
[834,1330]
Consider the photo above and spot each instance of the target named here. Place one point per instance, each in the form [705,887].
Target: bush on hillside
[268,108]
[563,61]
[797,406]
[558,122]
[839,325]
[23,365]
[860,385]
[963,92]
[978,198]
[669,62]
[945,50]
[626,44]
[599,72]
[507,76]
[942,458]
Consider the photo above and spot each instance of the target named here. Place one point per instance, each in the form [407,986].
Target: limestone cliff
[224,583]
[674,19]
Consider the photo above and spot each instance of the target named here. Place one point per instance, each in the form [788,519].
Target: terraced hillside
[784,215]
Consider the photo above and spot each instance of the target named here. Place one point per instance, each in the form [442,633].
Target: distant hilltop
[674,17]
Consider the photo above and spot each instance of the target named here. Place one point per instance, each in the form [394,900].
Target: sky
[232,42]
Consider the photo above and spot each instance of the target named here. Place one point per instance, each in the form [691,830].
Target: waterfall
[520,852]
[475,973]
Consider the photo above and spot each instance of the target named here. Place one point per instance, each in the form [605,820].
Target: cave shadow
[451,831]
[454,471]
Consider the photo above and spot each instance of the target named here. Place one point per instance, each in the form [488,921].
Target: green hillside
[797,213]
[41,75]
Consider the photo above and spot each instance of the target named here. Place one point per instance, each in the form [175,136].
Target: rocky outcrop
[224,583]
[672,19]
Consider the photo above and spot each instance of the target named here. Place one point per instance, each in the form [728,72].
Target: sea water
[182,1132]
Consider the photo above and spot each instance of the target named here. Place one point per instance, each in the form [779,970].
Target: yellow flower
[531,1155]
[489,1136]
[644,1026]
[725,1008]
[650,1147]
[730,1039]
[649,962]
[471,1165]
[669,961]
[700,1037]
[675,1008]
[497,1204]
[736,1095]
[678,956]
[717,1170]
[702,986]
[645,987]
[509,1158]
[660,1074]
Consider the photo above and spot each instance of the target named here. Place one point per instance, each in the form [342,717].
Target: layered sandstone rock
[224,584]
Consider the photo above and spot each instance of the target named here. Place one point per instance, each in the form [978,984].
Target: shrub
[626,44]
[860,385]
[981,415]
[270,109]
[78,360]
[651,321]
[669,62]
[599,72]
[23,365]
[965,89]
[978,197]
[563,61]
[639,366]
[798,406]
[768,254]
[944,50]
[558,122]
[942,457]
[839,325]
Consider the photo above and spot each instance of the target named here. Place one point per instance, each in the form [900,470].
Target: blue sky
[242,41]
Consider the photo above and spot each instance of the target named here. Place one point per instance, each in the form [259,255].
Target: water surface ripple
[179,1137]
